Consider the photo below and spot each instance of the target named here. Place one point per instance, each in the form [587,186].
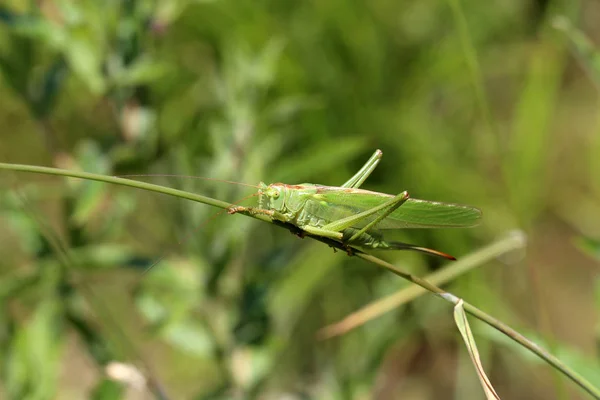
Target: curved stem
[493,322]
[115,180]
[515,240]
[474,311]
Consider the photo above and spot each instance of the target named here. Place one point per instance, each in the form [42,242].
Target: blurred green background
[492,104]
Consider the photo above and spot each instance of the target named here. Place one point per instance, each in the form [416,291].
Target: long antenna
[187,176]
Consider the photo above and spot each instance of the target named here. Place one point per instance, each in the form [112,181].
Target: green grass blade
[514,241]
[119,181]
[460,317]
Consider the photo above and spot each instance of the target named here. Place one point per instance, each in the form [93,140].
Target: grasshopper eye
[273,192]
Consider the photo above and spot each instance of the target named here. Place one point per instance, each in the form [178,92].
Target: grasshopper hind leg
[407,246]
[358,179]
[373,240]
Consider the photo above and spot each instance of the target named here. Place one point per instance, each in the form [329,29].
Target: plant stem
[515,240]
[493,322]
[116,180]
[477,313]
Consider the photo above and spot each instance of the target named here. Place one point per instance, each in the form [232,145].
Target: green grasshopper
[356,217]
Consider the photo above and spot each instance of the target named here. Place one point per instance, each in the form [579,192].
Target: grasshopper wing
[336,203]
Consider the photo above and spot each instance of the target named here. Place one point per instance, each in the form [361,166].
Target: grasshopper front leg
[312,230]
[258,211]
[274,215]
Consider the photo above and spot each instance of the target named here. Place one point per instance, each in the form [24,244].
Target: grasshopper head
[271,197]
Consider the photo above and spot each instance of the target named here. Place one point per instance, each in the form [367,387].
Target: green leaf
[250,364]
[191,337]
[142,71]
[184,333]
[102,255]
[85,60]
[168,299]
[589,246]
[107,389]
[583,47]
[460,317]
[26,230]
[12,284]
[33,362]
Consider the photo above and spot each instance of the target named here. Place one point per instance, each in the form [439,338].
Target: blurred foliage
[472,102]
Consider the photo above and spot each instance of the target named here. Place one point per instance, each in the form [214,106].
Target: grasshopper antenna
[187,176]
[179,243]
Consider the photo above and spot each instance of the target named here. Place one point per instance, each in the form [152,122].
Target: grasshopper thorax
[271,197]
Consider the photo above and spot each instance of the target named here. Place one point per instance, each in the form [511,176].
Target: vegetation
[488,104]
